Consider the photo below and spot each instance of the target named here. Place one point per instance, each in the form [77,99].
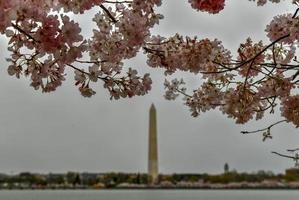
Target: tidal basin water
[150,195]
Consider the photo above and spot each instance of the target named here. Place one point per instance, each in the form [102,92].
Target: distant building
[226,168]
[153,147]
[292,174]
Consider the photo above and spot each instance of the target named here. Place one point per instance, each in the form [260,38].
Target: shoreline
[148,188]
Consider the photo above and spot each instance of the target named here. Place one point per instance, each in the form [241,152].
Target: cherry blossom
[177,53]
[280,27]
[44,39]
[211,6]
[290,109]
[247,51]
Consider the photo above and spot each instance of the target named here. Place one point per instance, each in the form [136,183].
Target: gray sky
[63,131]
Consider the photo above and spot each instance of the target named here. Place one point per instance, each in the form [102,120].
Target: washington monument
[153,147]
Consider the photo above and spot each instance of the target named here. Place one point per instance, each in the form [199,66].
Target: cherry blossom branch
[247,75]
[295,158]
[153,50]
[83,72]
[92,62]
[262,51]
[118,1]
[121,83]
[264,129]
[183,93]
[24,32]
[272,104]
[293,150]
[295,14]
[297,73]
[273,55]
[272,65]
[240,64]
[108,13]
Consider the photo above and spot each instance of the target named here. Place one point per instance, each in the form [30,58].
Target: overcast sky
[63,131]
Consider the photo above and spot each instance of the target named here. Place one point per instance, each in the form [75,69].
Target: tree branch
[83,72]
[264,129]
[292,150]
[286,156]
[295,158]
[118,1]
[24,32]
[183,93]
[108,13]
[295,14]
[91,62]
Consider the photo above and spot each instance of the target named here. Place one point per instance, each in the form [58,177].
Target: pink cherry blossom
[70,31]
[280,27]
[45,39]
[290,109]
[249,50]
[211,6]
[188,54]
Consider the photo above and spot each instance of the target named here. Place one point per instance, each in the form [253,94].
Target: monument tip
[153,106]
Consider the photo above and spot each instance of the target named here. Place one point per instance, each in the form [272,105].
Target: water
[151,195]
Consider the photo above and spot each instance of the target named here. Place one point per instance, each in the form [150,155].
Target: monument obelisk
[153,147]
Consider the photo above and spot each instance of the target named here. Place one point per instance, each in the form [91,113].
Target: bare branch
[292,150]
[295,158]
[296,12]
[286,156]
[264,129]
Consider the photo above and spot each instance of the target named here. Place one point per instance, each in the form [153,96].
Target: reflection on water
[151,195]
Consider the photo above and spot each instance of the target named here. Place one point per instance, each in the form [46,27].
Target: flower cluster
[241,103]
[282,55]
[247,51]
[173,88]
[119,38]
[78,6]
[263,2]
[129,86]
[210,6]
[290,109]
[277,86]
[177,53]
[284,27]
[207,97]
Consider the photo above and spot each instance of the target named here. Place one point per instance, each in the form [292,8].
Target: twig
[264,129]
[183,93]
[292,150]
[286,156]
[92,62]
[295,158]
[295,14]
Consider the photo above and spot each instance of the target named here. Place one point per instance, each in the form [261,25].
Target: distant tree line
[110,180]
